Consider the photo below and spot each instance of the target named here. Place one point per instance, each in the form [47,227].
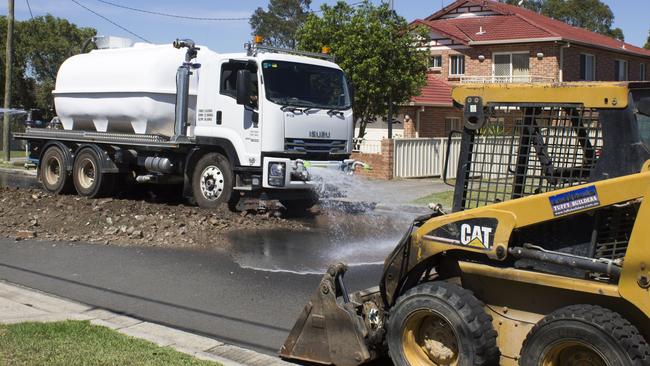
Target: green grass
[13,164]
[81,343]
[18,154]
[446,198]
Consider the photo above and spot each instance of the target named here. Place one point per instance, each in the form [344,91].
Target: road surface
[205,292]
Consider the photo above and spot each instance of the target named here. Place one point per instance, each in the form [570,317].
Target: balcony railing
[506,79]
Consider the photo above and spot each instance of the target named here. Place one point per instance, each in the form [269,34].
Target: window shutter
[583,67]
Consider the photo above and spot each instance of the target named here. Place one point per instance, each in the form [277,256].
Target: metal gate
[418,158]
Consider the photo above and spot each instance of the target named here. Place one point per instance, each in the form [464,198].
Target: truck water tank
[127,90]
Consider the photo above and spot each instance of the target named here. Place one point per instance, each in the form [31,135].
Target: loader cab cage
[512,148]
[527,149]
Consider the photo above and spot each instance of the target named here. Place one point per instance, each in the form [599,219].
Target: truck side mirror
[352,92]
[243,87]
[643,106]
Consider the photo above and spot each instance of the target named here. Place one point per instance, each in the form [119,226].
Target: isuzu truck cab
[226,126]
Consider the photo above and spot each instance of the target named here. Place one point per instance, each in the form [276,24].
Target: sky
[230,35]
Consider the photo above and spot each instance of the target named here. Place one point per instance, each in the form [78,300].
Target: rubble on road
[32,213]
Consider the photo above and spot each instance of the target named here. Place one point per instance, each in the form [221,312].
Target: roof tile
[514,23]
[436,92]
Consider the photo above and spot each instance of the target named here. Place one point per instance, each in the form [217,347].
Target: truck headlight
[276,174]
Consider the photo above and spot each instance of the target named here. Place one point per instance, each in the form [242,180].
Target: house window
[456,65]
[510,67]
[587,67]
[435,62]
[642,72]
[620,69]
[452,124]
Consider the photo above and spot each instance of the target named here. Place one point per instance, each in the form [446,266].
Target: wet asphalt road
[204,292]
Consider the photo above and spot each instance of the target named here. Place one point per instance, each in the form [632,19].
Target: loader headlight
[276,174]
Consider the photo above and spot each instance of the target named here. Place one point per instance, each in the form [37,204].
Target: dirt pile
[29,213]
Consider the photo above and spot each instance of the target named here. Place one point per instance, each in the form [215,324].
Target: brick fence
[381,164]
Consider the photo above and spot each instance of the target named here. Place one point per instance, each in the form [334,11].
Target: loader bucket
[328,331]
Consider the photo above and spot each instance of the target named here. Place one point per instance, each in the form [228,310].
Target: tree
[278,25]
[41,46]
[647,43]
[379,53]
[593,15]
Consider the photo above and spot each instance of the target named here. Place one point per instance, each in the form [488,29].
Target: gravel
[32,213]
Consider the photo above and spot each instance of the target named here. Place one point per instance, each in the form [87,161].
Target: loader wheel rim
[429,339]
[86,173]
[572,353]
[52,170]
[212,183]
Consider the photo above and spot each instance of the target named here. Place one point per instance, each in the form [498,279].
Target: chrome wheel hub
[212,183]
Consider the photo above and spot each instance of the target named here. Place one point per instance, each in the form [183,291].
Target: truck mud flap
[329,330]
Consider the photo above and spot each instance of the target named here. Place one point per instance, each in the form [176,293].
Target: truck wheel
[52,173]
[439,323]
[88,179]
[212,181]
[584,335]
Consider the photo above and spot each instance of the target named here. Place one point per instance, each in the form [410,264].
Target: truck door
[243,119]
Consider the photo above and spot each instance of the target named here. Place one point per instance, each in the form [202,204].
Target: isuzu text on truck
[223,125]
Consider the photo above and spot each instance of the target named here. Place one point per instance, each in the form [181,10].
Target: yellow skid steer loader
[545,259]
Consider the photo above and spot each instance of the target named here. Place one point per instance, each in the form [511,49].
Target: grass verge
[446,198]
[81,343]
[14,164]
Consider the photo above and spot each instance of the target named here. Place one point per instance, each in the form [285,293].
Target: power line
[30,9]
[167,14]
[110,21]
[170,15]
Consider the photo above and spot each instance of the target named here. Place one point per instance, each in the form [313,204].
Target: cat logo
[475,236]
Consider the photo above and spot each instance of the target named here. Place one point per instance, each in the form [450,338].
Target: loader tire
[53,173]
[584,335]
[439,323]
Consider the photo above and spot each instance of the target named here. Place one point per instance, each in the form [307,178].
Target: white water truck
[225,126]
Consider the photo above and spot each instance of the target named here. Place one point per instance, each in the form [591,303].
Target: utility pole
[8,73]
[389,120]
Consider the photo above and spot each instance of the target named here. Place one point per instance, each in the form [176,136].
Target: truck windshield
[304,85]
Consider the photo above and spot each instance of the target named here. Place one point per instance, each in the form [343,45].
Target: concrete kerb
[21,304]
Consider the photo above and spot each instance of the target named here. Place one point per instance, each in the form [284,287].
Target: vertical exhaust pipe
[183,89]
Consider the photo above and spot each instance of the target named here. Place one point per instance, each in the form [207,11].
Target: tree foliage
[647,43]
[380,55]
[593,15]
[40,47]
[278,24]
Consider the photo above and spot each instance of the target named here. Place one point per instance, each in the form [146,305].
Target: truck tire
[584,335]
[439,323]
[212,181]
[89,181]
[53,173]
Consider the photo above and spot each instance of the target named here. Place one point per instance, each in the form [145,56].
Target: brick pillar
[409,127]
[387,159]
[382,164]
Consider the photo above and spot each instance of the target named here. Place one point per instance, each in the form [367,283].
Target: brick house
[488,41]
[484,41]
